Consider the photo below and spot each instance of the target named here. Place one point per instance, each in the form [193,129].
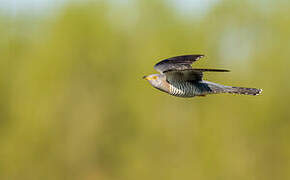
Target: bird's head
[154,79]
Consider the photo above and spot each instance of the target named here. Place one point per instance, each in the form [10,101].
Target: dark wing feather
[183,75]
[177,63]
[188,74]
[212,70]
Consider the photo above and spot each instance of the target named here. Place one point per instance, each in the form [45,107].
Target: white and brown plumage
[178,78]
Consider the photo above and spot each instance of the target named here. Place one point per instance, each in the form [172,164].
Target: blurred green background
[73,104]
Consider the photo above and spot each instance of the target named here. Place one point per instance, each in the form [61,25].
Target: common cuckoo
[178,78]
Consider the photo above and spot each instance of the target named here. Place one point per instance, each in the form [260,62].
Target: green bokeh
[73,104]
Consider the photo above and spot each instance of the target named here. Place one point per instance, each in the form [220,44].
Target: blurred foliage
[74,104]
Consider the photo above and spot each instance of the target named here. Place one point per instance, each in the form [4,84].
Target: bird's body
[179,79]
[188,89]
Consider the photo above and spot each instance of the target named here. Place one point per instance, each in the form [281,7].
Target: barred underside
[187,89]
[191,89]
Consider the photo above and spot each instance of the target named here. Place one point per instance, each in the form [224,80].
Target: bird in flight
[178,78]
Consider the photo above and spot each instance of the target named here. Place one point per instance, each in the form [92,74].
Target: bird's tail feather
[217,88]
[242,90]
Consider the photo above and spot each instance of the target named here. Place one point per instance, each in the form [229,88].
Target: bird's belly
[182,90]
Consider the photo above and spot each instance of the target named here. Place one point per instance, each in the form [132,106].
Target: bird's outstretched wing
[188,74]
[177,63]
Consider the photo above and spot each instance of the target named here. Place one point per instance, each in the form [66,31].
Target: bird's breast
[182,89]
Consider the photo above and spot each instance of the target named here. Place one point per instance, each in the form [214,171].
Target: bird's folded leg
[202,95]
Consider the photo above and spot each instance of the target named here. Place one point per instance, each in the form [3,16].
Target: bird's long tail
[217,88]
[242,90]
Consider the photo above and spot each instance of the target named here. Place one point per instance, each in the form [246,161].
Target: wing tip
[198,56]
[213,70]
